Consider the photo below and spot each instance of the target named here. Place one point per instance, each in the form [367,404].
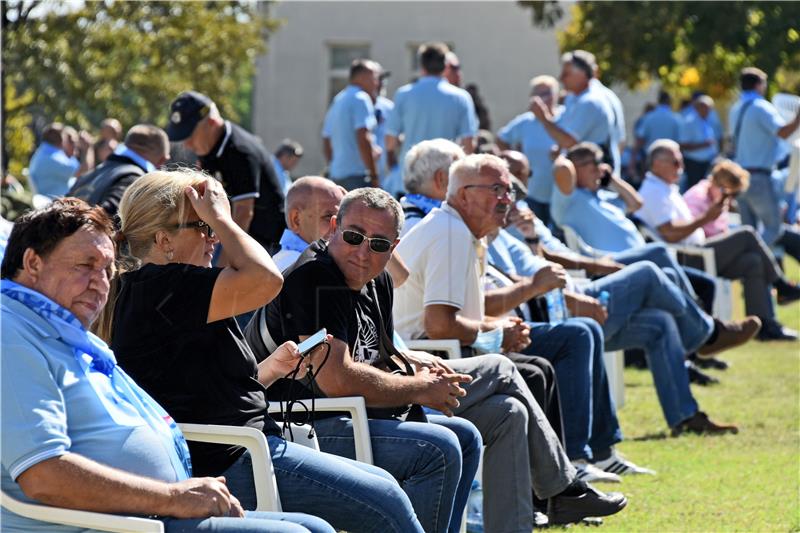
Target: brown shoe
[700,423]
[731,334]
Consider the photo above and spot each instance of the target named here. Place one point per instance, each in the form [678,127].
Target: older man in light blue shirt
[756,128]
[697,140]
[347,132]
[430,108]
[51,168]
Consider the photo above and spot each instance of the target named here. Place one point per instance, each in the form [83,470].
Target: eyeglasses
[376,244]
[198,224]
[499,191]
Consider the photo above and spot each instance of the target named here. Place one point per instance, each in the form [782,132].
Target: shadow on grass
[662,435]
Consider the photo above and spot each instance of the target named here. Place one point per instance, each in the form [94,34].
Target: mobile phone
[312,342]
[606,179]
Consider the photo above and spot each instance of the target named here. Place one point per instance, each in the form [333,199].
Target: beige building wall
[498,47]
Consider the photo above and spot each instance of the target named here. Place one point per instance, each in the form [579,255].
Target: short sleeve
[33,410]
[511,133]
[769,119]
[362,113]
[469,119]
[656,210]
[579,119]
[525,262]
[327,126]
[394,126]
[446,272]
[243,178]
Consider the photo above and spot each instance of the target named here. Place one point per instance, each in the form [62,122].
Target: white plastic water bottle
[556,307]
[475,508]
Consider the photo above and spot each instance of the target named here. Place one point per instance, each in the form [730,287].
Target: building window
[341,55]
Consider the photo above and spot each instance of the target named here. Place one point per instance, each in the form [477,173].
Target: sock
[601,455]
[576,488]
[714,334]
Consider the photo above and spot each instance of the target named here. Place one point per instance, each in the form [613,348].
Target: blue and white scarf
[424,203]
[84,343]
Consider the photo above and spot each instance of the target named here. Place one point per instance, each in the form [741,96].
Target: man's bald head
[518,165]
[311,202]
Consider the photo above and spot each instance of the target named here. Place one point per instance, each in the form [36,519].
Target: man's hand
[539,110]
[717,209]
[523,219]
[426,360]
[606,265]
[201,498]
[516,335]
[552,276]
[582,305]
[442,390]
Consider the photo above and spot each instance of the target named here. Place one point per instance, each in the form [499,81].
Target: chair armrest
[256,443]
[81,519]
[352,405]
[706,254]
[451,346]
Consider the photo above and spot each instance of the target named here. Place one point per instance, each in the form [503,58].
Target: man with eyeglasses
[739,254]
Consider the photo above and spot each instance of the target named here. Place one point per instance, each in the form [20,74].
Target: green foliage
[688,45]
[80,63]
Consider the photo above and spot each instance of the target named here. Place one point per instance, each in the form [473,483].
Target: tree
[687,45]
[79,63]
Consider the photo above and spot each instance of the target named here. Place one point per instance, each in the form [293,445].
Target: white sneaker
[589,473]
[619,465]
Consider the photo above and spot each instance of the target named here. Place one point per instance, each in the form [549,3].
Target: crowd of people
[145,294]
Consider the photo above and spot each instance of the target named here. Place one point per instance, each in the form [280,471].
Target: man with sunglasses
[739,254]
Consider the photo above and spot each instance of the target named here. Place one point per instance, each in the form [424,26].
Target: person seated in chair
[77,431]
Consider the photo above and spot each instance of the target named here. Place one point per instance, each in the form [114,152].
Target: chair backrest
[575,243]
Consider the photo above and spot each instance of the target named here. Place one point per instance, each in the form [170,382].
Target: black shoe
[711,363]
[698,377]
[772,330]
[570,509]
[787,292]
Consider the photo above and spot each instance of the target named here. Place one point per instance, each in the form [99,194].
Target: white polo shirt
[663,203]
[446,263]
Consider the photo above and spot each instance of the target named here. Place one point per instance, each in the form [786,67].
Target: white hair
[660,147]
[425,158]
[544,79]
[470,167]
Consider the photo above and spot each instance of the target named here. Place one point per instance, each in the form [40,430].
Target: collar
[124,151]
[658,182]
[277,164]
[225,138]
[425,203]
[292,241]
[664,107]
[450,210]
[430,78]
[750,95]
[16,308]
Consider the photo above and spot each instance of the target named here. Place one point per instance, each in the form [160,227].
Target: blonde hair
[729,174]
[155,202]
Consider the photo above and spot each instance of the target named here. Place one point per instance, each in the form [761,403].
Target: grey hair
[374,199]
[660,147]
[471,167]
[425,158]
[544,79]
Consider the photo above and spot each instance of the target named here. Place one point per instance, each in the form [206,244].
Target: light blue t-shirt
[390,178]
[52,404]
[758,141]
[588,117]
[527,132]
[513,256]
[618,120]
[350,111]
[696,129]
[431,108]
[50,170]
[600,224]
[660,123]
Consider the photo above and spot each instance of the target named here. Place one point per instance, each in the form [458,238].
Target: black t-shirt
[246,171]
[314,296]
[200,373]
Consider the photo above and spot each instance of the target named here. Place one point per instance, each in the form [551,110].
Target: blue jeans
[435,463]
[253,522]
[646,310]
[761,203]
[349,495]
[575,348]
[656,252]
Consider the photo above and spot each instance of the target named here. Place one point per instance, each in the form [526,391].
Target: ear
[293,219]
[440,178]
[32,264]
[163,241]
[333,225]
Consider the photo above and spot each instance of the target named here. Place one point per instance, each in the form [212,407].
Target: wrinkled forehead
[87,242]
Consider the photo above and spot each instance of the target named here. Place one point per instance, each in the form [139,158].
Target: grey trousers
[742,254]
[522,451]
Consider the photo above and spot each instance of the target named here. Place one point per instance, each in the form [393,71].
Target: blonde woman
[173,329]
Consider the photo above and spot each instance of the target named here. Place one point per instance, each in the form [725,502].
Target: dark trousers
[695,171]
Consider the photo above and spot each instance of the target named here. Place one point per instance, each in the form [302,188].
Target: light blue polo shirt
[599,223]
[696,129]
[513,256]
[660,123]
[51,405]
[431,108]
[350,111]
[588,117]
[758,141]
[618,132]
[50,170]
[527,132]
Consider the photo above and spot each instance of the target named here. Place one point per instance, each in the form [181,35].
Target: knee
[750,265]
[581,339]
[515,414]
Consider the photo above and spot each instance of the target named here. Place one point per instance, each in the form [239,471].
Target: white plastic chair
[250,438]
[450,346]
[353,405]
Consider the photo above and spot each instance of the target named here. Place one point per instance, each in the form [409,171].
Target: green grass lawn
[744,482]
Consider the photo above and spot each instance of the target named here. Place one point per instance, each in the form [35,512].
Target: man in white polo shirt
[739,254]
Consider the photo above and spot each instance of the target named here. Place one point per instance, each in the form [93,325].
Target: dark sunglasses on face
[376,244]
[198,224]
[499,191]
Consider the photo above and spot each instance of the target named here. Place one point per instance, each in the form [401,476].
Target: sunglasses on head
[198,224]
[376,244]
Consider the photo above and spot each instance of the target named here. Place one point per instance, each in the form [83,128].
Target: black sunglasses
[198,224]
[376,244]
